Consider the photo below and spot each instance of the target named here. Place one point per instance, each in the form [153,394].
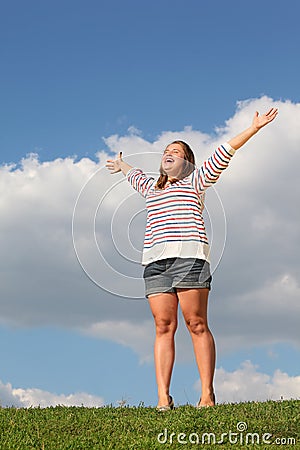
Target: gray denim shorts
[169,274]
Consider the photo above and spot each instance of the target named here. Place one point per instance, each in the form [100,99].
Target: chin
[170,172]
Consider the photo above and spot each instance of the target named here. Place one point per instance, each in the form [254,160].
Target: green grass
[138,428]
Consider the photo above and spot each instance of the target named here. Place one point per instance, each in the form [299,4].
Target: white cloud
[255,290]
[27,398]
[248,384]
[138,337]
[265,315]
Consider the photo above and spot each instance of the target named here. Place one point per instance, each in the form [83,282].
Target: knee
[196,325]
[165,327]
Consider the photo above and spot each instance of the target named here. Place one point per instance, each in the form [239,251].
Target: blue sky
[77,71]
[78,78]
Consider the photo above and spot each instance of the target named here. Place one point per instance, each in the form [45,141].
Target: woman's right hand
[114,165]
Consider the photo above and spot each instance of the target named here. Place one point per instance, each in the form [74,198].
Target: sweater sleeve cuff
[130,171]
[229,149]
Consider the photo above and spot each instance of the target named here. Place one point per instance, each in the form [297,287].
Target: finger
[272,111]
[269,112]
[120,155]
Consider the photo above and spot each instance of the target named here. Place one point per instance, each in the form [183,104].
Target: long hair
[188,166]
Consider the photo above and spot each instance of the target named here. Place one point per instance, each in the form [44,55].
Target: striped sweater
[175,225]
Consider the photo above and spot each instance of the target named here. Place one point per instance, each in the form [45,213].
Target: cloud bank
[246,383]
[26,398]
[71,237]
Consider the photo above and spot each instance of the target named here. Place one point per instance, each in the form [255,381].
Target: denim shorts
[167,275]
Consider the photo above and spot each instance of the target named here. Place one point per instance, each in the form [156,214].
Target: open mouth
[169,159]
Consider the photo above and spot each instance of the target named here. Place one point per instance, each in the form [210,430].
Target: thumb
[120,155]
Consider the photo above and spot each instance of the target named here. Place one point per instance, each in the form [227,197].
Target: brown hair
[188,166]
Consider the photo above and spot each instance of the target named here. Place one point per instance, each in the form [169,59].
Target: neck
[172,179]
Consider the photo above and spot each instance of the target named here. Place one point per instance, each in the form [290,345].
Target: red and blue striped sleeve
[210,170]
[140,181]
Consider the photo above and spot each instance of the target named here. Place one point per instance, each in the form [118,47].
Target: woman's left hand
[260,121]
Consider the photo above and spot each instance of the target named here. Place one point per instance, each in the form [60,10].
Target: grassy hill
[227,426]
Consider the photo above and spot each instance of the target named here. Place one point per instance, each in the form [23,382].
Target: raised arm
[136,177]
[118,165]
[257,123]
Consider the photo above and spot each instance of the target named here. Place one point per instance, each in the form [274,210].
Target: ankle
[207,399]
[207,391]
[163,398]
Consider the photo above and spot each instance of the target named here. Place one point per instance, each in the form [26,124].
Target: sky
[81,81]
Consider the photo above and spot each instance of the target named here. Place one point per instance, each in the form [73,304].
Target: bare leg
[164,309]
[193,303]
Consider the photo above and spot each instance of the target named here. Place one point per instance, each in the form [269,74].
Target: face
[173,160]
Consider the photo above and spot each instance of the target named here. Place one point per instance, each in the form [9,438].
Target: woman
[176,252]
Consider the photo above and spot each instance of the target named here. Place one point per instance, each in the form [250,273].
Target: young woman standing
[176,252]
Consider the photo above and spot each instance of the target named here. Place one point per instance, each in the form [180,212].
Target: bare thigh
[194,304]
[164,308]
